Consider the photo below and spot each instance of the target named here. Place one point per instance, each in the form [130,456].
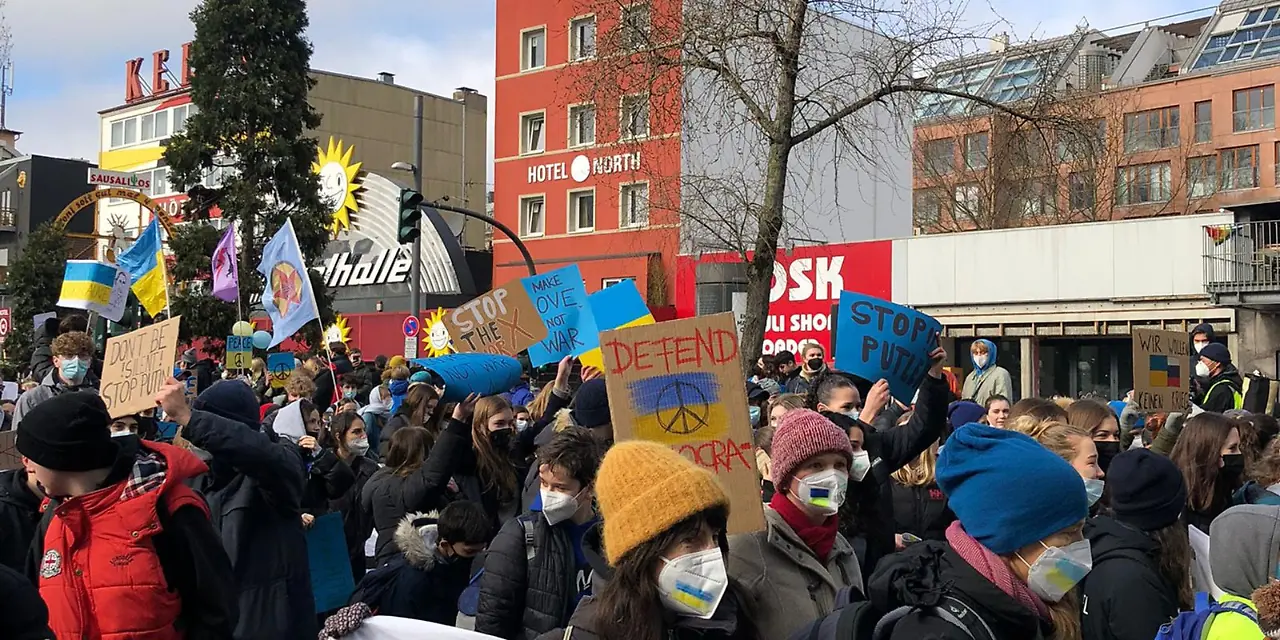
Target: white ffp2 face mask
[1202,369]
[859,466]
[1059,569]
[693,584]
[558,507]
[823,492]
[980,361]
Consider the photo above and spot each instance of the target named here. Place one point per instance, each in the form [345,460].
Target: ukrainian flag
[145,263]
[86,284]
[617,307]
[678,408]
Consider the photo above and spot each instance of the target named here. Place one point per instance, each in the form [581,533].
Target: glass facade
[1257,38]
[1101,367]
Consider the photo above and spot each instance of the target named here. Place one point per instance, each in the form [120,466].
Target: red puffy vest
[100,574]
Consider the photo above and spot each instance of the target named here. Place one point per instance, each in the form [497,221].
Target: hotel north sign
[582,167]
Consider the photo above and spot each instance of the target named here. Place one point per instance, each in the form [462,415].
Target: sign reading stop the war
[502,321]
[136,366]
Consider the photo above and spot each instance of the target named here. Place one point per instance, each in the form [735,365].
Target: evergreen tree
[35,281]
[250,83]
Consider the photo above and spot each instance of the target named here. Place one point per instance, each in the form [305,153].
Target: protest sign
[880,339]
[331,580]
[1161,366]
[39,319]
[279,367]
[615,307]
[239,352]
[502,321]
[9,456]
[561,301]
[137,365]
[680,383]
[465,373]
[392,628]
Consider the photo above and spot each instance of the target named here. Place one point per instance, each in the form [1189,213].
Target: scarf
[993,568]
[818,537]
[397,388]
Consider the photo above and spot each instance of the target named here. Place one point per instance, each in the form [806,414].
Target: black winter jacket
[1125,596]
[326,389]
[23,615]
[328,478]
[921,511]
[522,598]
[356,524]
[921,575]
[397,421]
[417,583]
[19,517]
[254,489]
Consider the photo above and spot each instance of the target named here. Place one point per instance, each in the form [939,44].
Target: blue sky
[69,54]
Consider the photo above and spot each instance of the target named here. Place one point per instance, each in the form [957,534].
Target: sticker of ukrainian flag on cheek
[678,408]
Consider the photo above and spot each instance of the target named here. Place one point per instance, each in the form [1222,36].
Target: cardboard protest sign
[465,373]
[880,339]
[9,456]
[1161,370]
[680,383]
[136,366]
[239,352]
[279,367]
[331,580]
[502,321]
[561,300]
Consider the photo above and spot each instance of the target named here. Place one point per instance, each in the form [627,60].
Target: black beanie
[68,432]
[1147,489]
[591,405]
[231,399]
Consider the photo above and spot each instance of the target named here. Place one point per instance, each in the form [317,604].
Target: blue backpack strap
[1235,607]
[1202,602]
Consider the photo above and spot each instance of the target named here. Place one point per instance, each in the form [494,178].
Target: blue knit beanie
[1007,490]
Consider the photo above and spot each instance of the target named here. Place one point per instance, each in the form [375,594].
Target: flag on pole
[145,263]
[287,297]
[95,286]
[226,274]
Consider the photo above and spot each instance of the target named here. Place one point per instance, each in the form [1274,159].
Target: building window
[1239,167]
[1085,143]
[635,205]
[533,49]
[605,283]
[635,27]
[131,131]
[1149,130]
[635,117]
[180,118]
[582,125]
[149,126]
[1036,198]
[1204,121]
[582,211]
[939,156]
[1254,109]
[928,207]
[1082,190]
[117,134]
[968,201]
[159,182]
[1143,183]
[582,38]
[531,216]
[975,150]
[1202,176]
[532,132]
[6,201]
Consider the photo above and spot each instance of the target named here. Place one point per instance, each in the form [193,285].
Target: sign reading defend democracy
[136,366]
[502,321]
[879,339]
[1161,366]
[680,383]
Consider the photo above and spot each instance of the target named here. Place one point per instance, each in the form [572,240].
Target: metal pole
[415,261]
[524,251]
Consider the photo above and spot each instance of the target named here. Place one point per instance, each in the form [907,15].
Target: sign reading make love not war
[465,373]
[879,339]
[1161,369]
[136,366]
[680,383]
[502,321]
[561,300]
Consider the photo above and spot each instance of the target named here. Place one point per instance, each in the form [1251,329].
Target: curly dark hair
[576,450]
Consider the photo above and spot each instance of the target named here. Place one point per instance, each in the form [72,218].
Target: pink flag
[226,280]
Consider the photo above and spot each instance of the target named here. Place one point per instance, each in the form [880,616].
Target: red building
[575,171]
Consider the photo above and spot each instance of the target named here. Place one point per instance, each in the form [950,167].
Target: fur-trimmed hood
[416,536]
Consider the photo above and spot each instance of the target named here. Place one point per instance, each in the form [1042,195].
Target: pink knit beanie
[803,434]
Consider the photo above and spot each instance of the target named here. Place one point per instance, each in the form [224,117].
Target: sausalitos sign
[118,179]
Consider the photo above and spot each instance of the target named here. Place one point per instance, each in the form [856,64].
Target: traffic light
[409,216]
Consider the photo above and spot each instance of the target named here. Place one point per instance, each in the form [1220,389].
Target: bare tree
[783,92]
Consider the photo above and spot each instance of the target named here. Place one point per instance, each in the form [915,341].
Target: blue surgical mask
[1093,488]
[348,394]
[74,369]
[754,412]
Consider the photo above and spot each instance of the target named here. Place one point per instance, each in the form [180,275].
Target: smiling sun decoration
[437,338]
[337,183]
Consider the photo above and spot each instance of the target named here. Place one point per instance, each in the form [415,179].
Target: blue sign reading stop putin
[410,327]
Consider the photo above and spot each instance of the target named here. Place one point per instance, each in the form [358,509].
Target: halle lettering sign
[389,266]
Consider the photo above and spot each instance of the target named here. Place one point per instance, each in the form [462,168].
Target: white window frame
[117,134]
[130,121]
[525,202]
[527,52]
[605,283]
[526,130]
[186,113]
[623,191]
[574,111]
[574,196]
[575,41]
[625,132]
[626,37]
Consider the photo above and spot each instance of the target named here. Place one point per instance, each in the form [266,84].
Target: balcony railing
[1242,258]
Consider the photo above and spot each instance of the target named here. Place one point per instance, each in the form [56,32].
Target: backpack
[469,601]
[1194,625]
[858,620]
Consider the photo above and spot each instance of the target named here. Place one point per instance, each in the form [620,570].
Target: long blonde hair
[921,472]
[1059,437]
